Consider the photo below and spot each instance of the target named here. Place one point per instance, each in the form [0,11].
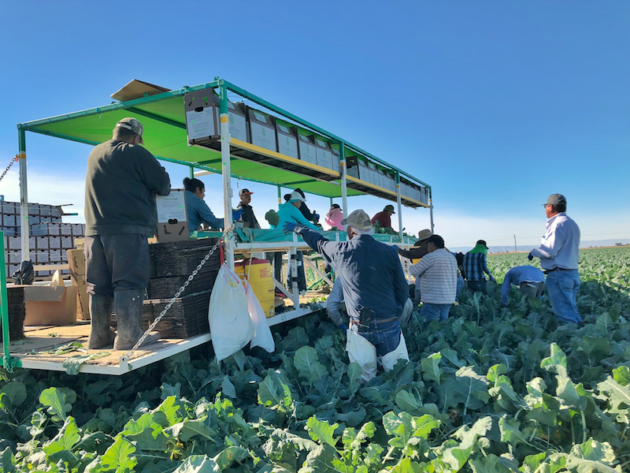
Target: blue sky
[495,104]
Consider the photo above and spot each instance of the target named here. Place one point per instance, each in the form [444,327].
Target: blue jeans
[562,287]
[434,311]
[460,286]
[477,286]
[385,337]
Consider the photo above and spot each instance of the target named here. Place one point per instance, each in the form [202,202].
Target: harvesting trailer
[167,137]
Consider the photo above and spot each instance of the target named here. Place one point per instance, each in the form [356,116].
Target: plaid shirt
[475,266]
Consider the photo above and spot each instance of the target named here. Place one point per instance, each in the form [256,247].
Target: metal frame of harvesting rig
[163,115]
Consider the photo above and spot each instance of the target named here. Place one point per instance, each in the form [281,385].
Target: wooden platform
[36,351]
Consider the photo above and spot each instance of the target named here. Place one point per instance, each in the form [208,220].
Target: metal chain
[13,161]
[177,294]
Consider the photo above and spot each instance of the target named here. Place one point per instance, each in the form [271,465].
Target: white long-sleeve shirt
[437,272]
[560,246]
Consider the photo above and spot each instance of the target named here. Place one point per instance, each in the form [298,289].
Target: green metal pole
[192,172]
[344,189]
[4,309]
[399,202]
[279,195]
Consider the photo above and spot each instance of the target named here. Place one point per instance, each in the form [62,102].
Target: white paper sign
[172,206]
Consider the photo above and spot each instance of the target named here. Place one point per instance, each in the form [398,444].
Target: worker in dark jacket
[247,216]
[122,181]
[374,289]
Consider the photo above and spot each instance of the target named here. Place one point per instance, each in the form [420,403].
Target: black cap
[390,208]
[437,240]
[482,242]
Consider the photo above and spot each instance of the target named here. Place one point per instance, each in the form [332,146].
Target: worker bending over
[374,288]
[122,181]
[530,279]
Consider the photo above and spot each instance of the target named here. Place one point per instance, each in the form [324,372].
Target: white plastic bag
[230,324]
[390,360]
[263,337]
[362,352]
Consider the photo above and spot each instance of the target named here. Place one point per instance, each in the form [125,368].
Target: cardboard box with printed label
[66,242]
[262,130]
[54,242]
[307,149]
[55,256]
[65,229]
[50,305]
[45,210]
[8,207]
[323,152]
[78,229]
[15,243]
[172,217]
[286,134]
[33,209]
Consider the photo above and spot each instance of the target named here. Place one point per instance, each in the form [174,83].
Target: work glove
[236,214]
[335,317]
[530,256]
[289,227]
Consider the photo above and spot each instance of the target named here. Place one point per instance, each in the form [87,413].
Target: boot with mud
[101,334]
[128,310]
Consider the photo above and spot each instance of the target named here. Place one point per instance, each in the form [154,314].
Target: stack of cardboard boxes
[49,238]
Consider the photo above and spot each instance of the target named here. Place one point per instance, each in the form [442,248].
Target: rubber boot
[101,334]
[128,310]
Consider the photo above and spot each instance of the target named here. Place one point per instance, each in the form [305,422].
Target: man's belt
[556,269]
[366,328]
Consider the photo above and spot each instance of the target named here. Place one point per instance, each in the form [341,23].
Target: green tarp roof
[164,122]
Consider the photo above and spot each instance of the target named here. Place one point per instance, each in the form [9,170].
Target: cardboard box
[15,243]
[45,210]
[76,262]
[66,242]
[45,219]
[56,212]
[42,243]
[65,229]
[56,219]
[33,209]
[15,257]
[43,257]
[33,220]
[54,242]
[8,208]
[8,220]
[78,229]
[50,305]
[8,231]
[172,217]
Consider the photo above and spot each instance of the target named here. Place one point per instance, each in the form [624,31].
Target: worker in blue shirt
[289,212]
[559,253]
[374,290]
[530,279]
[197,209]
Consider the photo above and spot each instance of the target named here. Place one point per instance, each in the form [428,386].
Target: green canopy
[164,121]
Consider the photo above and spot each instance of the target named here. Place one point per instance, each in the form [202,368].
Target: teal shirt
[289,213]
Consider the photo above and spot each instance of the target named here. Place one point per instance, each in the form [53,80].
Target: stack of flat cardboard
[17,312]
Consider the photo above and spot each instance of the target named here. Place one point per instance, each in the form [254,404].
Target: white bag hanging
[230,324]
[400,353]
[362,352]
[263,337]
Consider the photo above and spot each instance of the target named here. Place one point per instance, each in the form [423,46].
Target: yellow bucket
[260,280]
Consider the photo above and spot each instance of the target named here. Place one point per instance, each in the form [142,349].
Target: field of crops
[491,390]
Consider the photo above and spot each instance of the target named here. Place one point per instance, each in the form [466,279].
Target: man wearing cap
[475,265]
[122,181]
[374,290]
[437,275]
[559,253]
[384,218]
[247,216]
